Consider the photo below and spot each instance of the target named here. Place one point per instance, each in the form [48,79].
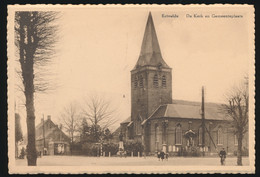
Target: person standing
[162,155]
[159,155]
[222,155]
[166,156]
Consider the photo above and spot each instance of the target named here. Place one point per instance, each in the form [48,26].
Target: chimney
[49,117]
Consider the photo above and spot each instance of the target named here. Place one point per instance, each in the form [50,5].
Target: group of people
[162,155]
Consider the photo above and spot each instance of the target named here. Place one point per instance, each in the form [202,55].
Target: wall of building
[139,102]
[145,100]
[159,95]
[52,135]
[212,126]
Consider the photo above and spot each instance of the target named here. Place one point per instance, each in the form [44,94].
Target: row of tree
[91,122]
[35,40]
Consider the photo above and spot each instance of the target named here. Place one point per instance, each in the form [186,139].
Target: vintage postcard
[131,89]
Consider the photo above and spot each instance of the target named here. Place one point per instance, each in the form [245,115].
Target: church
[173,126]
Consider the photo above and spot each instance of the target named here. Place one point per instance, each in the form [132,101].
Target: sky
[98,47]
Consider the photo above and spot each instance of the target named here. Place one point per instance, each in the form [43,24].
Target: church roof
[190,110]
[150,54]
[117,131]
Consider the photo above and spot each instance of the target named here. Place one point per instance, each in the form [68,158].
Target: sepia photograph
[131,89]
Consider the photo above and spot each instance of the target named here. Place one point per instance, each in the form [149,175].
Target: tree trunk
[16,149]
[71,147]
[31,149]
[28,76]
[239,148]
[28,39]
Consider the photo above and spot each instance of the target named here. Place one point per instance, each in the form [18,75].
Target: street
[130,161]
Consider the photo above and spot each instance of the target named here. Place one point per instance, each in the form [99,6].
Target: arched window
[135,82]
[138,126]
[156,133]
[155,80]
[178,135]
[220,136]
[157,137]
[141,81]
[164,81]
[200,136]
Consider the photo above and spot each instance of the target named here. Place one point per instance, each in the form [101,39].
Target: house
[50,139]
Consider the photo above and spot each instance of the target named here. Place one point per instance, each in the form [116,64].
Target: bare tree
[70,120]
[237,109]
[99,114]
[35,38]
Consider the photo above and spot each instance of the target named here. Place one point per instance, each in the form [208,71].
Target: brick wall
[212,126]
[144,100]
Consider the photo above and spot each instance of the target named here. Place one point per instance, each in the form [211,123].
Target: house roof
[127,120]
[49,129]
[191,110]
[150,54]
[117,131]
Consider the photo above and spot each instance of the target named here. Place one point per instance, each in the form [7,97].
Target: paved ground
[129,161]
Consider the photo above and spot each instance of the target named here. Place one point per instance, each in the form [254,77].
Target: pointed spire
[150,54]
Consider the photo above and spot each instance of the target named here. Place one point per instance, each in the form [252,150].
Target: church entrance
[190,148]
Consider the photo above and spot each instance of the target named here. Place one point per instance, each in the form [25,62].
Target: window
[156,133]
[157,137]
[235,136]
[135,82]
[220,136]
[155,80]
[141,81]
[178,135]
[164,81]
[200,136]
[138,126]
[190,123]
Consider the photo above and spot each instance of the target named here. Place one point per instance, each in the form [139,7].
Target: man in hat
[222,155]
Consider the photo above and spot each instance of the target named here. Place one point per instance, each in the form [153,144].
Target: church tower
[151,80]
